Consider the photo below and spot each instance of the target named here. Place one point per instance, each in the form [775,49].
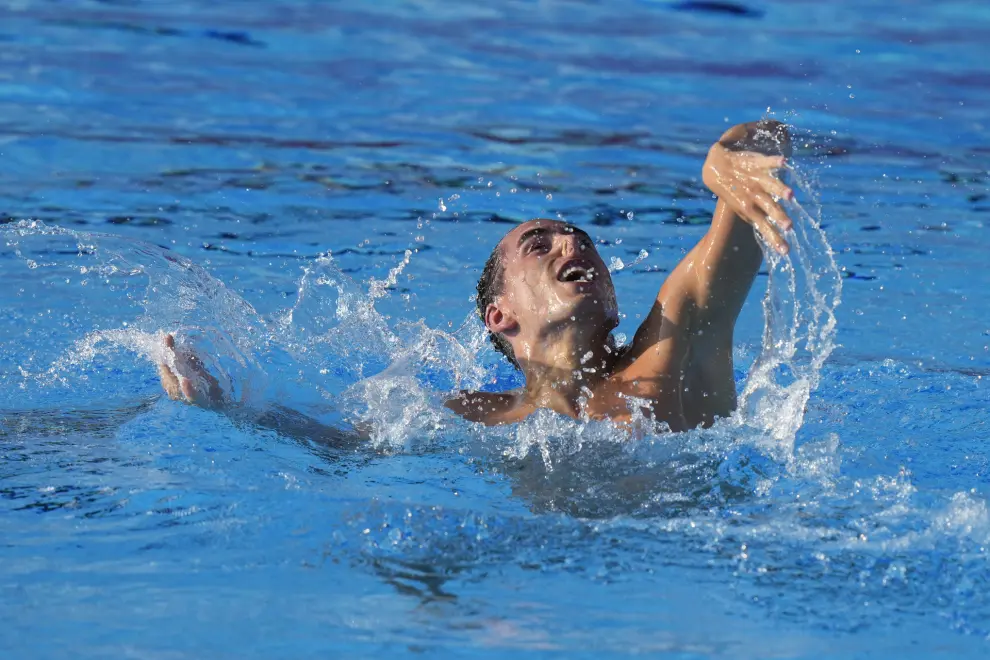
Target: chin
[601,304]
[597,309]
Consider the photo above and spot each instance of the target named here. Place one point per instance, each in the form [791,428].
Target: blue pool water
[188,167]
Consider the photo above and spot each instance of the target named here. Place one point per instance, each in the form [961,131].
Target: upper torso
[687,383]
[677,370]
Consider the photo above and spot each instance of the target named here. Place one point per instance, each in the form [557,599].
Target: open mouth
[576,271]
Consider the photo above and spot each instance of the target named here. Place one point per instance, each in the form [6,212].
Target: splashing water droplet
[799,334]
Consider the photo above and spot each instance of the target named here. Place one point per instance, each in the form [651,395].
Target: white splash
[332,350]
[803,292]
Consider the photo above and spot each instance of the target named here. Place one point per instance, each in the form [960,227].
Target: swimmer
[547,300]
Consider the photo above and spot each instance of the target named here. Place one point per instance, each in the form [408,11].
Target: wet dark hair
[490,286]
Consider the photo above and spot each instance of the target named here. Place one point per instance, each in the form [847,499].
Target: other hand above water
[190,381]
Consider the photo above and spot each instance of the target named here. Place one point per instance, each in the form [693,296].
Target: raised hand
[190,382]
[742,168]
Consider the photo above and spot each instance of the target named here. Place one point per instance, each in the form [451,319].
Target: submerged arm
[192,383]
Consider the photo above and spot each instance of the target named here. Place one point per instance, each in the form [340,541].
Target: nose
[570,244]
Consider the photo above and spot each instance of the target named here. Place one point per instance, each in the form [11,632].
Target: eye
[536,245]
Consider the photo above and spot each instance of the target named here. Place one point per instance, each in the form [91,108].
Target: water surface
[252,138]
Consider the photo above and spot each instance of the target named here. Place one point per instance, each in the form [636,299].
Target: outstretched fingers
[767,218]
[774,186]
[770,233]
[747,181]
[773,210]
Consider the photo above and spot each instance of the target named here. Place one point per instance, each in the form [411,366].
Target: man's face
[553,274]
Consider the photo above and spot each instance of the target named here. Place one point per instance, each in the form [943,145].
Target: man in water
[547,299]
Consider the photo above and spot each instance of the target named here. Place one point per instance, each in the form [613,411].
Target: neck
[563,368]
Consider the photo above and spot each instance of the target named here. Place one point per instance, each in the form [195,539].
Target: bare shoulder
[660,343]
[489,408]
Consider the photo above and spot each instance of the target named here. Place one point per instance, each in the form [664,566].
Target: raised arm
[709,286]
[699,302]
[741,169]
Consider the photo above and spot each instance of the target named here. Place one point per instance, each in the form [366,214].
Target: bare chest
[621,400]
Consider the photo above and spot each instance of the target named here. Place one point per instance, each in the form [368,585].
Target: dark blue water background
[250,138]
